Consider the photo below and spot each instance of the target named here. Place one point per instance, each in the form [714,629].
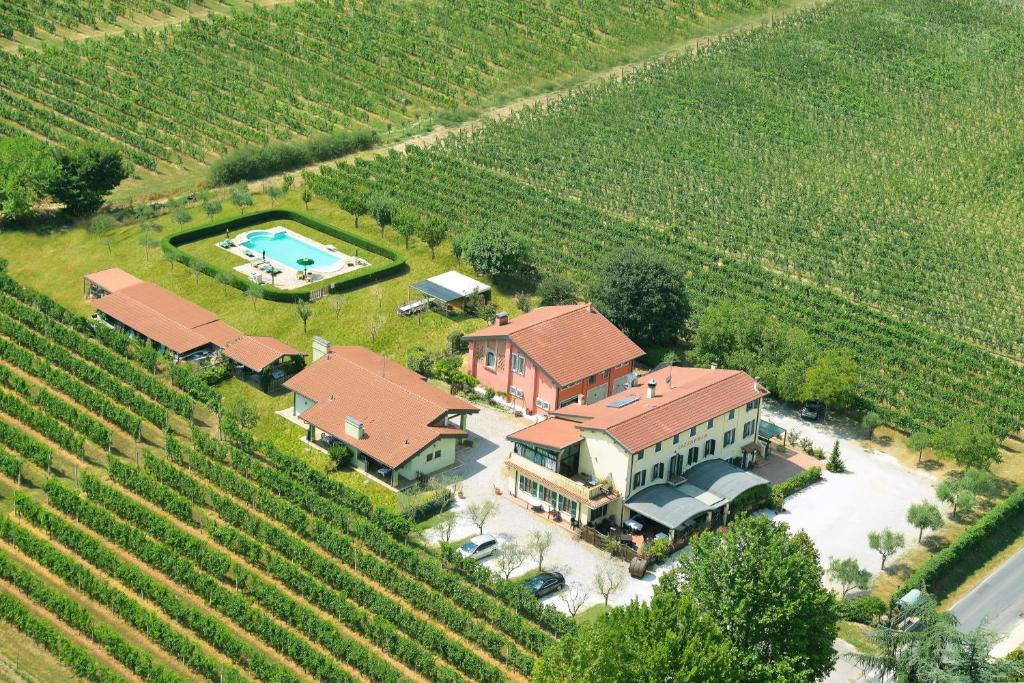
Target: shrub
[863,610]
[340,455]
[456,343]
[252,163]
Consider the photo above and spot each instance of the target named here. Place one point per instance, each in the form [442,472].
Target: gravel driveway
[875,492]
[482,469]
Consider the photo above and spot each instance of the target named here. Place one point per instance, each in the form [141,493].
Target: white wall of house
[302,403]
[441,454]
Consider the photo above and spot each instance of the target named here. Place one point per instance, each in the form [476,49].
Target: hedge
[797,483]
[947,569]
[253,163]
[349,281]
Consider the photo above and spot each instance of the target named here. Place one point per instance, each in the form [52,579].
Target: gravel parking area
[839,512]
[482,469]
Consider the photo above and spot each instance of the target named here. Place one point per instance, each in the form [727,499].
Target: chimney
[579,398]
[714,366]
[651,384]
[501,319]
[354,428]
[590,307]
[321,347]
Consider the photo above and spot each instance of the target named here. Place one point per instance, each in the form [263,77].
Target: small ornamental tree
[479,512]
[382,209]
[968,441]
[960,489]
[307,197]
[432,231]
[870,422]
[848,574]
[354,201]
[212,207]
[510,557]
[304,311]
[923,516]
[407,223]
[101,224]
[886,543]
[608,579]
[240,196]
[835,460]
[918,442]
[538,543]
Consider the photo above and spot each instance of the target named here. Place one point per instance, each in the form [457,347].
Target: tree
[574,596]
[382,209]
[287,180]
[275,193]
[886,543]
[147,242]
[510,557]
[671,639]
[848,574]
[923,516]
[240,196]
[27,172]
[307,197]
[335,303]
[960,489]
[354,201]
[608,579]
[870,422]
[556,290]
[538,543]
[101,224]
[968,441]
[919,441]
[833,379]
[764,588]
[495,251]
[223,279]
[242,413]
[644,295]
[835,460]
[87,174]
[254,292]
[446,527]
[432,231]
[479,512]
[304,311]
[182,217]
[523,302]
[374,326]
[406,224]
[934,650]
[212,207]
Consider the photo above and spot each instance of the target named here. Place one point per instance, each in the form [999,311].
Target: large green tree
[88,173]
[644,294]
[669,640]
[495,252]
[968,441]
[764,588]
[832,378]
[556,290]
[27,172]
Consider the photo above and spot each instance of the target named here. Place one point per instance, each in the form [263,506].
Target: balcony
[577,486]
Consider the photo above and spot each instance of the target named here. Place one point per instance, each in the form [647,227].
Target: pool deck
[288,278]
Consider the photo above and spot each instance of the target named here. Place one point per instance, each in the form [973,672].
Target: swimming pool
[286,249]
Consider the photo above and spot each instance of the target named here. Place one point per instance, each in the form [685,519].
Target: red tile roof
[566,342]
[177,323]
[257,353]
[684,398]
[396,406]
[112,279]
[552,432]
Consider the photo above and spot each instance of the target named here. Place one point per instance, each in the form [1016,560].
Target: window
[606,373]
[692,455]
[430,456]
[639,479]
[490,360]
[693,431]
[515,391]
[593,379]
[673,465]
[541,403]
[657,447]
[730,438]
[541,456]
[732,414]
[711,423]
[748,429]
[752,405]
[600,512]
[709,447]
[524,483]
[568,401]
[658,471]
[640,455]
[518,364]
[675,439]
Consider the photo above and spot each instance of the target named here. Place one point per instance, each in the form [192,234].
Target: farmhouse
[552,357]
[399,428]
[663,456]
[178,326]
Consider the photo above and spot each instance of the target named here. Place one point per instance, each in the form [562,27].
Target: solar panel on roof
[624,401]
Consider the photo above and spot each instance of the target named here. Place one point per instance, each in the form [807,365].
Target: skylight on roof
[620,402]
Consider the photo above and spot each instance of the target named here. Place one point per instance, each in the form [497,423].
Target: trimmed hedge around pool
[346,282]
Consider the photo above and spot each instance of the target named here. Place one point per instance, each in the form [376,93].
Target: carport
[451,289]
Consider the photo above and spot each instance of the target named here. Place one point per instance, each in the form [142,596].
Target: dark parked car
[544,583]
[813,410]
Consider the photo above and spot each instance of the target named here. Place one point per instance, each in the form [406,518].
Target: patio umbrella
[305,262]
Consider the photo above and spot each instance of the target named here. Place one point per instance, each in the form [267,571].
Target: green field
[855,170]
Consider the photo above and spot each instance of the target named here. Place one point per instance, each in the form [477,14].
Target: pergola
[451,288]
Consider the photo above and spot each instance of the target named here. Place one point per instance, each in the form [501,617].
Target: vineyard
[856,169]
[30,16]
[146,545]
[315,66]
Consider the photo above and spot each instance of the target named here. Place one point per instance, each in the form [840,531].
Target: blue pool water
[284,248]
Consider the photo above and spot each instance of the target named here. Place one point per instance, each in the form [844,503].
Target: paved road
[999,599]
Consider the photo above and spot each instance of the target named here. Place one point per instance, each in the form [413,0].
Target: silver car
[478,547]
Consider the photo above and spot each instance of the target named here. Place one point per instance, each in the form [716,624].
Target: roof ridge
[570,308]
[730,373]
[369,372]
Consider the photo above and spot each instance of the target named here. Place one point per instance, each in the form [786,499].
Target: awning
[667,505]
[450,286]
[769,430]
[722,479]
